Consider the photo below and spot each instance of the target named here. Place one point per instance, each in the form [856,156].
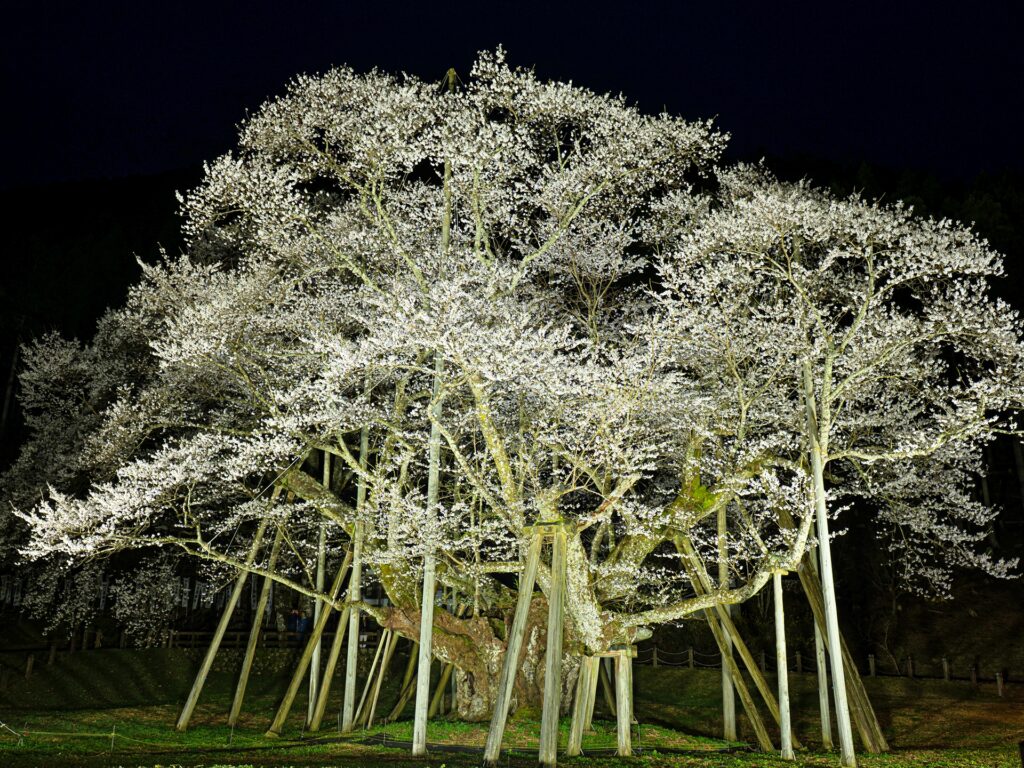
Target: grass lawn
[113,708]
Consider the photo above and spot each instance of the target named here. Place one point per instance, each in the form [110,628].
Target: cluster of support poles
[592,672]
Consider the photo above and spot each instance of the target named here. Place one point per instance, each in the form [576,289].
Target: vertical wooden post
[910,667]
[999,681]
[254,632]
[352,656]
[354,589]
[321,557]
[307,654]
[579,709]
[945,669]
[382,645]
[689,657]
[871,665]
[406,691]
[654,657]
[419,731]
[328,676]
[702,582]
[815,430]
[31,662]
[717,620]
[728,692]
[824,711]
[548,750]
[222,627]
[594,663]
[623,700]
[783,673]
[974,674]
[437,701]
[799,663]
[607,678]
[762,664]
[515,643]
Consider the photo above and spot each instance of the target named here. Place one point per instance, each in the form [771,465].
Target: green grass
[112,708]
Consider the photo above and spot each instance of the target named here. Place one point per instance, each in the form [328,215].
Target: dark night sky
[111,89]
[112,106]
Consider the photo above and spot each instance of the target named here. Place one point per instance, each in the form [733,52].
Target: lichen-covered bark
[477,651]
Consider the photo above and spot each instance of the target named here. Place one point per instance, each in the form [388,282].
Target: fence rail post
[999,683]
[689,657]
[910,667]
[945,669]
[974,674]
[654,656]
[871,665]
[30,662]
[799,663]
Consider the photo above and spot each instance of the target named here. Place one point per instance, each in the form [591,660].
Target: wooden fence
[798,664]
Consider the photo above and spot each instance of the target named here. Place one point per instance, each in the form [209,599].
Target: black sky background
[112,106]
[99,90]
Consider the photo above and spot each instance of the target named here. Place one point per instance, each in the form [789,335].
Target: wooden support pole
[799,663]
[782,672]
[999,682]
[439,691]
[689,657]
[817,450]
[910,667]
[385,664]
[407,688]
[868,727]
[728,694]
[702,584]
[945,669]
[222,627]
[307,654]
[328,677]
[355,590]
[698,580]
[579,709]
[419,731]
[321,558]
[515,644]
[624,699]
[254,632]
[354,596]
[362,710]
[824,711]
[607,690]
[548,749]
[654,657]
[588,718]
[763,739]
[871,665]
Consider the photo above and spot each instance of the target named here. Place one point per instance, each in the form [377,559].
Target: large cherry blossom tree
[488,304]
